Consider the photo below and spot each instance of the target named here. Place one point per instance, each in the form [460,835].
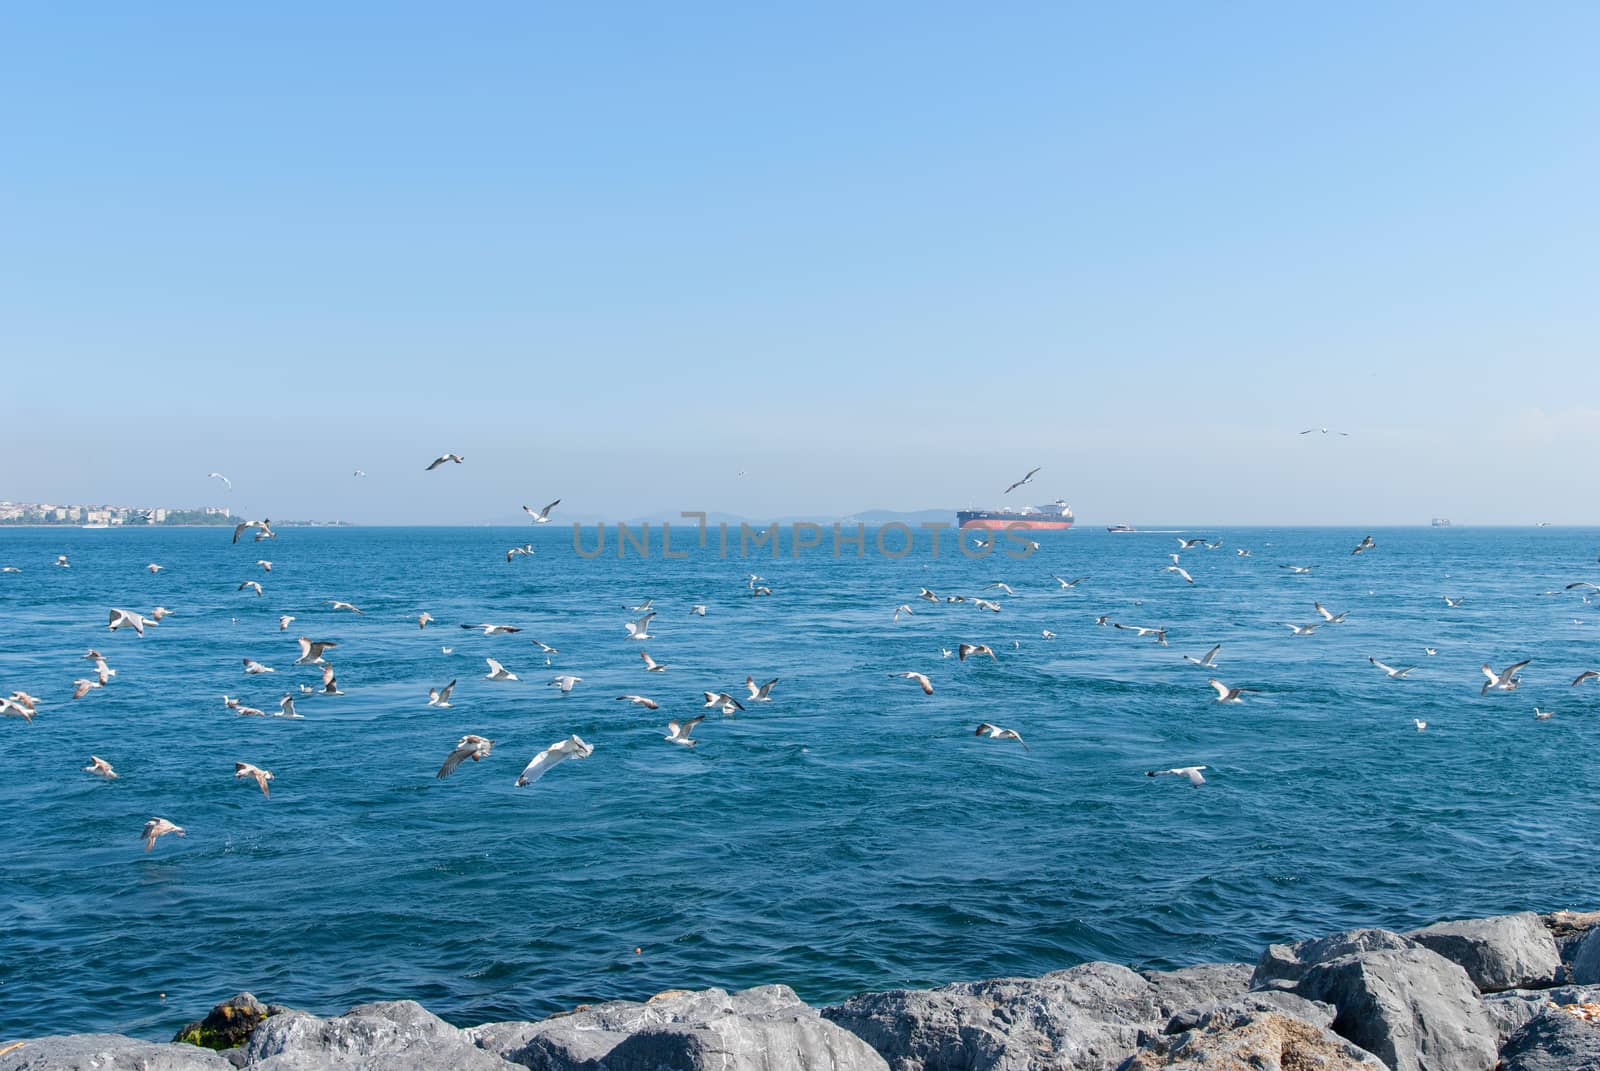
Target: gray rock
[1503,952]
[388,1036]
[1569,928]
[1553,1041]
[1412,1008]
[228,1025]
[1283,965]
[763,1029]
[1514,1008]
[1258,1041]
[1090,1017]
[1262,1001]
[108,1052]
[1585,966]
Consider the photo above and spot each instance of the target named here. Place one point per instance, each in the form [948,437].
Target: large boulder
[763,1029]
[1258,1041]
[1275,1001]
[1412,1008]
[106,1052]
[393,1035]
[1283,965]
[1515,1008]
[1089,1017]
[229,1024]
[1585,965]
[1553,1041]
[1504,952]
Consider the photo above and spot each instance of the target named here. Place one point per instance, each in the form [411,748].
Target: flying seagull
[252,666]
[1365,544]
[263,530]
[1229,695]
[220,476]
[1420,724]
[1297,569]
[256,584]
[1324,431]
[651,665]
[1026,479]
[727,703]
[526,551]
[1191,772]
[494,630]
[497,672]
[1180,571]
[565,682]
[678,732]
[1209,659]
[1452,603]
[440,697]
[128,619]
[423,619]
[927,685]
[100,767]
[1393,674]
[242,770]
[158,827]
[1190,544]
[311,650]
[572,747]
[1504,681]
[974,649]
[337,605]
[541,516]
[639,630]
[441,459]
[1586,675]
[330,683]
[994,732]
[471,747]
[242,710]
[1303,630]
[760,693]
[640,700]
[154,568]
[1069,583]
[286,707]
[284,622]
[1328,615]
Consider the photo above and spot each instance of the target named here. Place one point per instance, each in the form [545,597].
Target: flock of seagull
[475,748]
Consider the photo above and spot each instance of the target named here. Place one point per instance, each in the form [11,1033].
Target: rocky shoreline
[1514,992]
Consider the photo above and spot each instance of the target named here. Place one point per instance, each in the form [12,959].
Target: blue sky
[875,256]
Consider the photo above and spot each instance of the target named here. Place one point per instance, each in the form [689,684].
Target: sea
[851,834]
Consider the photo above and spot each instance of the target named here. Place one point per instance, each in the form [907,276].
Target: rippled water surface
[851,834]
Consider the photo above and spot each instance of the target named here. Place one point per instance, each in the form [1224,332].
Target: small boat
[94,526]
[1441,522]
[1122,528]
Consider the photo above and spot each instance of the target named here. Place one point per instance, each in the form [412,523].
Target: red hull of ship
[1020,524]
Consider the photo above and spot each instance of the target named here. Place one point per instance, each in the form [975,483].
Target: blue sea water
[852,834]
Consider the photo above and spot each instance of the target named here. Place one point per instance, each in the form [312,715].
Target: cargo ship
[1056,516]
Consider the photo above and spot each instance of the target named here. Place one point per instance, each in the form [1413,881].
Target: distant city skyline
[886,258]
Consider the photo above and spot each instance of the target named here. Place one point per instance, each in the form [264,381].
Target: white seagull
[1303,630]
[572,747]
[565,682]
[311,650]
[440,697]
[1328,615]
[220,476]
[1229,695]
[1393,674]
[678,732]
[639,630]
[494,630]
[472,747]
[541,516]
[158,827]
[651,665]
[927,685]
[994,732]
[1504,681]
[723,701]
[128,619]
[974,649]
[256,584]
[1180,570]
[242,770]
[441,459]
[1209,659]
[760,693]
[639,700]
[252,666]
[497,672]
[1191,772]
[1026,479]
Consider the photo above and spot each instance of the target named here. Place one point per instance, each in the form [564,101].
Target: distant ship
[1441,522]
[1057,515]
[1122,528]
